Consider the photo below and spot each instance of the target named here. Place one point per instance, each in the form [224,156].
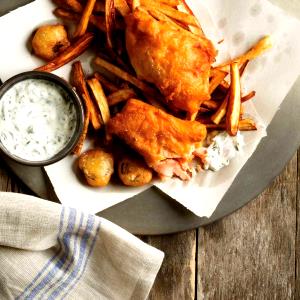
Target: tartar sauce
[222,149]
[37,119]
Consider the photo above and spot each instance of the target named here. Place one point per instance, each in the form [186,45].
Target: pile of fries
[100,24]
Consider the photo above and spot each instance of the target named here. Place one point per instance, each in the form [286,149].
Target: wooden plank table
[251,254]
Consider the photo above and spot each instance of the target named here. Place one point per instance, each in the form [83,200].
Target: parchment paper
[240,24]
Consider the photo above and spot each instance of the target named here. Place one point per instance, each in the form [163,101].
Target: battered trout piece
[177,62]
[167,143]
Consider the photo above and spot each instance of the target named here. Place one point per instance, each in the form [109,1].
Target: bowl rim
[73,96]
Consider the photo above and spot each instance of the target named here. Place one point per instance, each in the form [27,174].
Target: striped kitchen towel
[48,251]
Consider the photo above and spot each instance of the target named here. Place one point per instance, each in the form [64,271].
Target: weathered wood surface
[176,279]
[251,254]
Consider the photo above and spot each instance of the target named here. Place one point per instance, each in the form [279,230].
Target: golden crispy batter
[156,135]
[177,62]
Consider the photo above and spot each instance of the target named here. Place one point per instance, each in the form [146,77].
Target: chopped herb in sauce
[37,119]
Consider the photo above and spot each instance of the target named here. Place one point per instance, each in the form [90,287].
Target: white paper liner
[240,24]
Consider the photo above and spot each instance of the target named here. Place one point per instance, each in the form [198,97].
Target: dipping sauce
[222,150]
[37,119]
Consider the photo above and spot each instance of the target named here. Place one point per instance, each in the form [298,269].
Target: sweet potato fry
[100,98]
[122,7]
[221,112]
[84,20]
[194,29]
[211,104]
[224,86]
[78,148]
[96,21]
[203,110]
[248,96]
[155,102]
[204,119]
[244,125]
[172,3]
[234,102]
[120,96]
[193,116]
[69,54]
[78,81]
[109,21]
[66,14]
[162,17]
[73,5]
[171,12]
[216,80]
[111,87]
[125,76]
[135,4]
[263,45]
[99,7]
[247,125]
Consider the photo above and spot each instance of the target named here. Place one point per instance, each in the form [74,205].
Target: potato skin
[134,172]
[97,167]
[49,40]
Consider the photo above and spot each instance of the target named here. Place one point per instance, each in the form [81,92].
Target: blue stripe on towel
[62,213]
[86,261]
[57,267]
[85,250]
[58,279]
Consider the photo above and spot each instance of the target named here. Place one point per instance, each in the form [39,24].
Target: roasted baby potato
[134,172]
[97,167]
[49,40]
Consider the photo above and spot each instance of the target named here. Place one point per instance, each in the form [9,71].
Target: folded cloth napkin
[48,251]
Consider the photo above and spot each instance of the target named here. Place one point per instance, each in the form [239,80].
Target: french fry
[78,148]
[84,20]
[216,80]
[192,116]
[204,110]
[171,12]
[211,104]
[221,112]
[242,111]
[120,96]
[234,102]
[154,102]
[66,14]
[247,125]
[135,4]
[73,5]
[162,17]
[125,76]
[244,125]
[122,7]
[78,81]
[224,86]
[99,7]
[69,54]
[109,21]
[100,98]
[263,45]
[172,3]
[243,67]
[248,96]
[111,87]
[96,21]
[194,29]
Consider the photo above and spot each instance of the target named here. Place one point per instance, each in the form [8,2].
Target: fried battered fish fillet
[174,60]
[166,142]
